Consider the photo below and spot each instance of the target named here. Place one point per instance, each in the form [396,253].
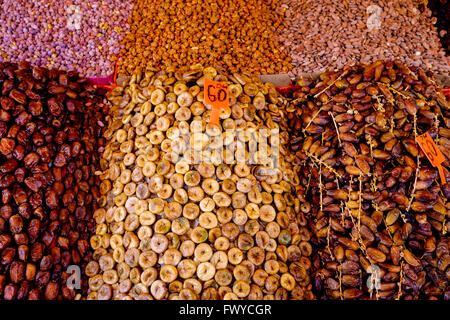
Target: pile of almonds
[182,227]
[50,138]
[65,34]
[321,35]
[377,209]
[234,35]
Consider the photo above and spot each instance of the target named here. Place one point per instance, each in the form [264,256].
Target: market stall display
[224,150]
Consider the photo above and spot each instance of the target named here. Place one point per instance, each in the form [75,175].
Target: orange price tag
[216,95]
[432,152]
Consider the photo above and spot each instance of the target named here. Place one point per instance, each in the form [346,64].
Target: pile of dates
[377,208]
[51,125]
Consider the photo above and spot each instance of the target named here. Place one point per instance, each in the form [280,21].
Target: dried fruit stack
[50,135]
[196,228]
[374,202]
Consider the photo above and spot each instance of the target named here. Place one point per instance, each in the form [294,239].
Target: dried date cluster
[182,229]
[377,209]
[50,138]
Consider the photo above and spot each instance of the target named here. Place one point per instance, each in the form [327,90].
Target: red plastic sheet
[288,90]
[108,82]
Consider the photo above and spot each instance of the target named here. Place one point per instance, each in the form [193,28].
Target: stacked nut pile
[319,35]
[235,35]
[377,208]
[175,226]
[50,135]
[66,34]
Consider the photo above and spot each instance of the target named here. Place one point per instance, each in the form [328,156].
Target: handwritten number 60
[220,96]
